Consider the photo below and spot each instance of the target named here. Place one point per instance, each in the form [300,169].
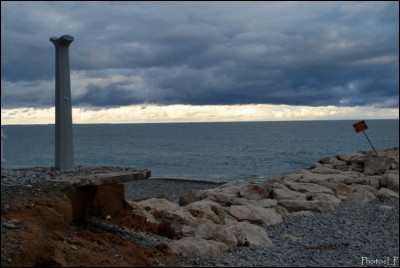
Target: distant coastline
[209,122]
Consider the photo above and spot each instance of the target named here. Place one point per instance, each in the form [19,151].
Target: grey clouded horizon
[204,53]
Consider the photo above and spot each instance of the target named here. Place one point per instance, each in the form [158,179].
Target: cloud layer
[204,53]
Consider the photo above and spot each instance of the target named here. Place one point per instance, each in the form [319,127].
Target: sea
[218,152]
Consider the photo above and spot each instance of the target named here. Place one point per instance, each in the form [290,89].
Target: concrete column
[64,139]
[2,146]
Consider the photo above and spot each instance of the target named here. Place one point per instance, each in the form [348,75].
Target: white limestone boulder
[192,196]
[252,191]
[165,208]
[206,209]
[374,181]
[303,187]
[242,234]
[196,247]
[357,158]
[293,177]
[360,195]
[377,166]
[310,177]
[141,211]
[339,188]
[281,194]
[368,188]
[385,193]
[228,219]
[222,194]
[391,178]
[265,203]
[202,228]
[324,169]
[281,210]
[255,214]
[312,205]
[272,184]
[352,178]
[315,202]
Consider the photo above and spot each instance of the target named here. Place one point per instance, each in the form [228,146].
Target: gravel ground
[170,189]
[352,235]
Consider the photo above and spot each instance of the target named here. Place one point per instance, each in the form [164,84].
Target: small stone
[386,207]
[289,237]
[10,225]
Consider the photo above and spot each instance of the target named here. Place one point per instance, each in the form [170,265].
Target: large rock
[280,194]
[346,177]
[281,210]
[163,207]
[202,228]
[374,181]
[222,194]
[324,169]
[353,178]
[394,154]
[357,158]
[252,191]
[377,166]
[192,196]
[310,177]
[308,187]
[141,211]
[228,219]
[338,164]
[265,203]
[206,209]
[339,188]
[385,193]
[391,178]
[255,214]
[292,177]
[278,183]
[315,202]
[242,234]
[313,205]
[196,247]
[234,234]
[360,195]
[368,188]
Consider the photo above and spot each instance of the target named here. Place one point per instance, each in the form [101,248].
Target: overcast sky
[311,54]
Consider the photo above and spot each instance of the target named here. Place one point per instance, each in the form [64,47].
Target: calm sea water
[201,151]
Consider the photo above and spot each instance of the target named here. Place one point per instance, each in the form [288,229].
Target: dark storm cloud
[296,53]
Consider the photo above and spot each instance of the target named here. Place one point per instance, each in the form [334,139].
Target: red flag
[360,126]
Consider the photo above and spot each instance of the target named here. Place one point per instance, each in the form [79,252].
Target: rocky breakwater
[233,214]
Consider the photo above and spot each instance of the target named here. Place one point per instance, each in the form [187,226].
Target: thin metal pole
[370,143]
